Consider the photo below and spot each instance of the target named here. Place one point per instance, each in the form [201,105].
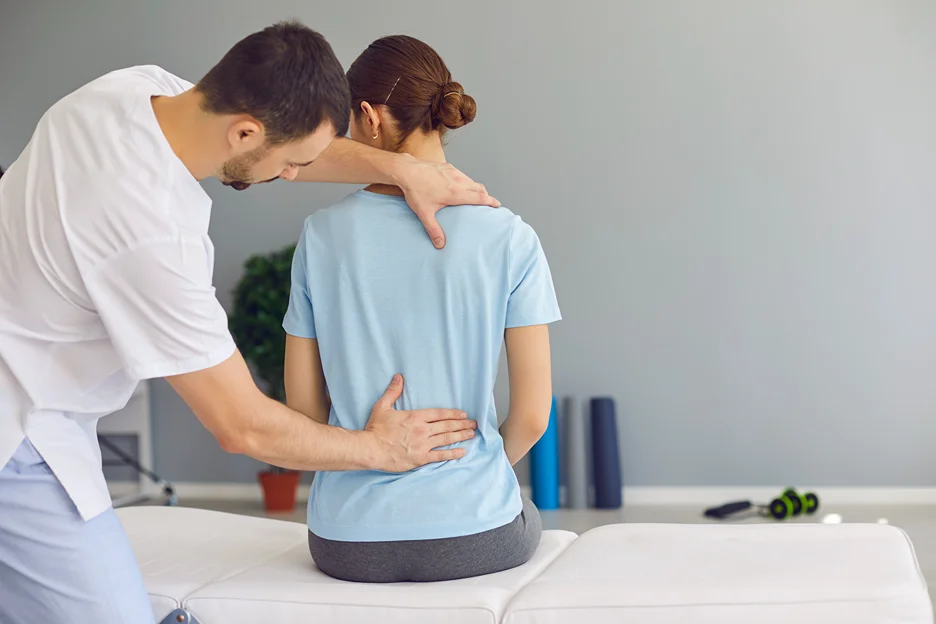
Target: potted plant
[260,301]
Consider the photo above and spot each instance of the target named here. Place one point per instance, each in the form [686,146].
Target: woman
[371,296]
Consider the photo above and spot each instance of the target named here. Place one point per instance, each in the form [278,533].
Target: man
[105,279]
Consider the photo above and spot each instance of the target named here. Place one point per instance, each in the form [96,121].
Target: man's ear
[245,134]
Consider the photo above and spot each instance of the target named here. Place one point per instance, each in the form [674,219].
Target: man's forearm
[243,420]
[349,162]
[283,437]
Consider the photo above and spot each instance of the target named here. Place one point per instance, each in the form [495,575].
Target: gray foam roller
[576,454]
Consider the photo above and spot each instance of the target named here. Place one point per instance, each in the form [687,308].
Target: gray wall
[738,200]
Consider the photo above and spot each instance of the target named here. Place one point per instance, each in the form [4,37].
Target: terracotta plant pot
[279,490]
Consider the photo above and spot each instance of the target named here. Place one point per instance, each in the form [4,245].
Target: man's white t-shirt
[105,274]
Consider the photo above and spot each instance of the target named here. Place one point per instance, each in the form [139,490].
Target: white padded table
[289,588]
[181,550]
[230,569]
[768,574]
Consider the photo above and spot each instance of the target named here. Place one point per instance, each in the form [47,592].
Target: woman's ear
[372,118]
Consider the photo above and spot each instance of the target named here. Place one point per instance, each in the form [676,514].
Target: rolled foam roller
[605,456]
[544,464]
[575,447]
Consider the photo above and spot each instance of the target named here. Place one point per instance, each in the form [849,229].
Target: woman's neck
[426,147]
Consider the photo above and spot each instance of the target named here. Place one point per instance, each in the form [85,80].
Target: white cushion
[180,550]
[289,589]
[768,574]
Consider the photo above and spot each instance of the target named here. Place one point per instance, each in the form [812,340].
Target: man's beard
[237,171]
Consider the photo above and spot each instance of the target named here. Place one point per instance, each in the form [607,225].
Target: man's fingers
[446,455]
[476,194]
[479,196]
[448,426]
[451,437]
[442,415]
[434,230]
[392,393]
[487,200]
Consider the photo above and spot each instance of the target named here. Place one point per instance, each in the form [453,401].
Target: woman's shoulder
[491,220]
[335,209]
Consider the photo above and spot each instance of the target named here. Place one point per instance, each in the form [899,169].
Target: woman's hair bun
[452,108]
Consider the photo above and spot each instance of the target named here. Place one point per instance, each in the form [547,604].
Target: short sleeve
[159,308]
[532,298]
[299,320]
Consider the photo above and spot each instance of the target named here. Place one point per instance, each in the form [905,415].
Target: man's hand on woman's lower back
[406,439]
[431,186]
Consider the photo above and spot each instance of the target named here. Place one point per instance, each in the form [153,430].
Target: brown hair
[286,76]
[409,78]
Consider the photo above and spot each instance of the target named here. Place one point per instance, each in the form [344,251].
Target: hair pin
[391,90]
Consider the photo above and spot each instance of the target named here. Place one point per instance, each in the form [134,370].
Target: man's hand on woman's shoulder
[431,186]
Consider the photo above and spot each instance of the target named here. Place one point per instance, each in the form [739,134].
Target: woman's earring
[376,134]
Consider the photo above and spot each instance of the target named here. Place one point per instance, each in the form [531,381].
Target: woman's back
[380,299]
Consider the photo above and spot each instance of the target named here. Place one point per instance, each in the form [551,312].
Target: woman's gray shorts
[445,559]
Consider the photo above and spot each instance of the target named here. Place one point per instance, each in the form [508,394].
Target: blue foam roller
[544,465]
[605,456]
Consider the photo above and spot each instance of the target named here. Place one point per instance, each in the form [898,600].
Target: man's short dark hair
[287,77]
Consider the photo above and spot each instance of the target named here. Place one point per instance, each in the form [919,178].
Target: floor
[919,521]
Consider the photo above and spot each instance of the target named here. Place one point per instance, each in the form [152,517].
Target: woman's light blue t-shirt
[380,299]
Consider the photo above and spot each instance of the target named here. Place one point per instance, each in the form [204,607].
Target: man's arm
[305,380]
[245,421]
[349,162]
[428,186]
[162,315]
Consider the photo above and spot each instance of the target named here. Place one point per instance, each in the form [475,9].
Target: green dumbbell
[795,500]
[810,503]
[780,508]
[806,503]
[788,505]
